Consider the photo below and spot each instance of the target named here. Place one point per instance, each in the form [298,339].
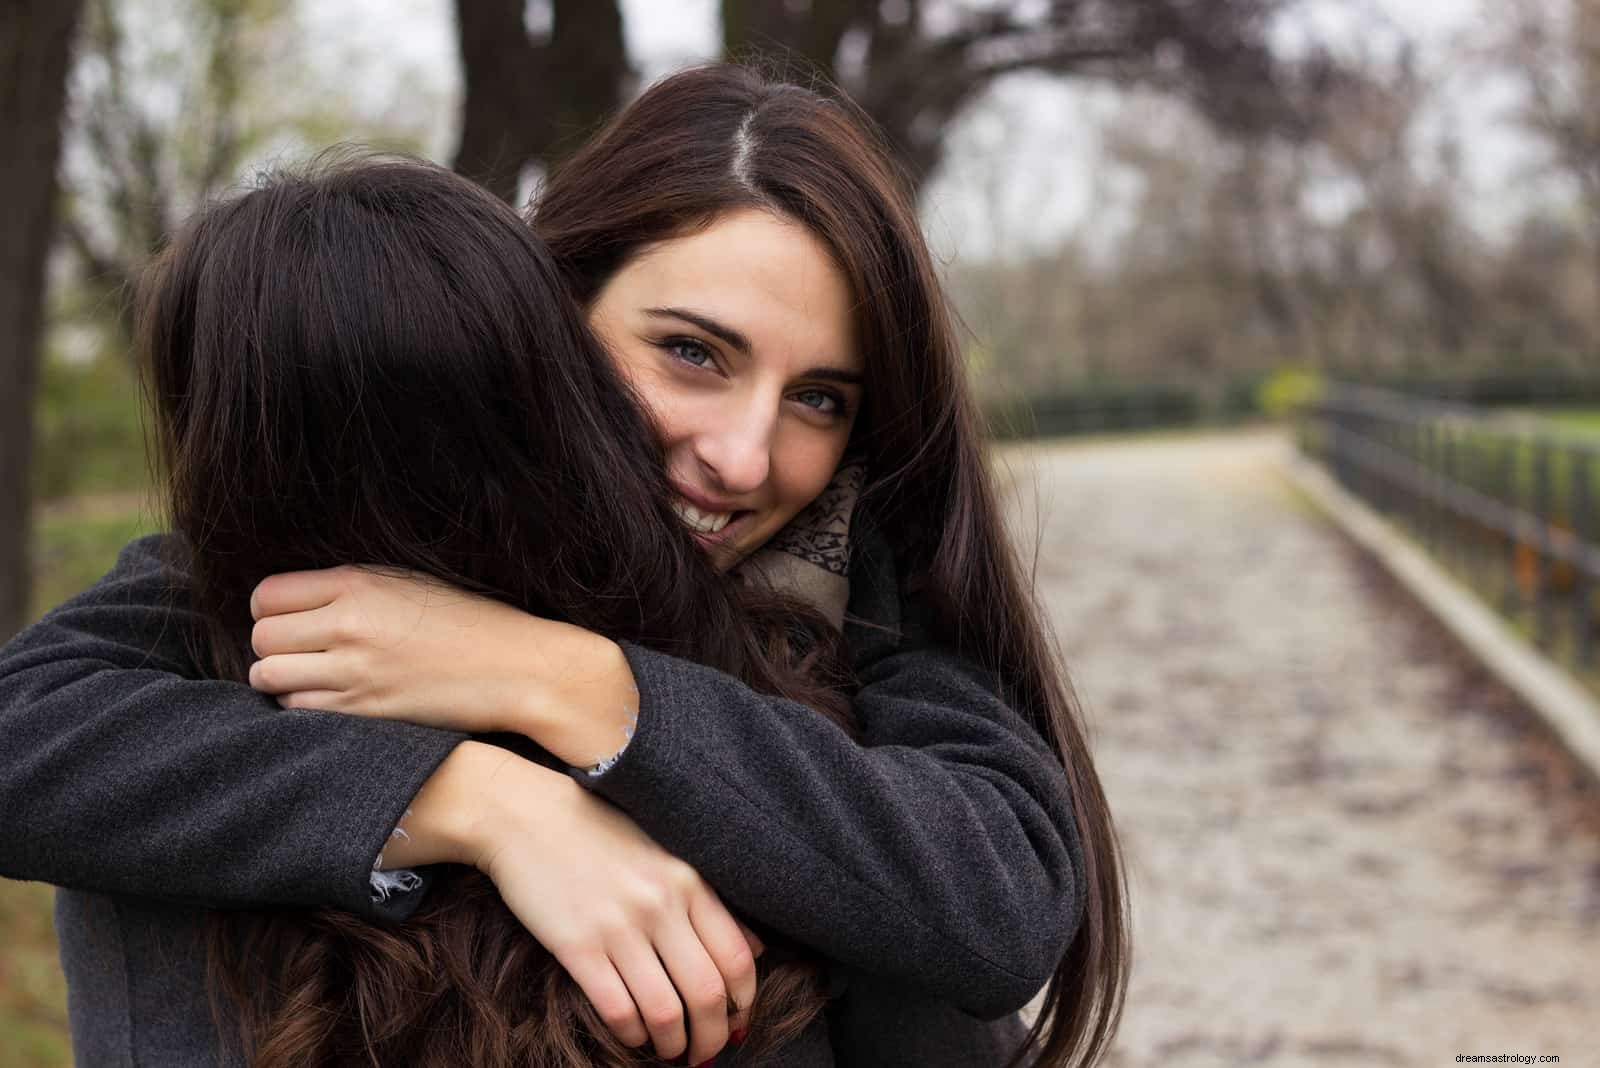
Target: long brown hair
[374,361]
[710,140]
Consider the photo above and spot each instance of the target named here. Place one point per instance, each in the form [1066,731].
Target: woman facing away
[959,850]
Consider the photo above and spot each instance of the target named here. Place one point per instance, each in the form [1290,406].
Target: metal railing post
[1542,544]
[1483,495]
[1510,592]
[1582,581]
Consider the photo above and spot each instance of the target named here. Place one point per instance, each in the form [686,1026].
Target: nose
[738,454]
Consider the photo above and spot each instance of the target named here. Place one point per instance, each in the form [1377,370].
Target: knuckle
[649,901]
[738,963]
[618,1015]
[683,878]
[568,946]
[347,628]
[707,993]
[662,1015]
[605,929]
[264,674]
[351,580]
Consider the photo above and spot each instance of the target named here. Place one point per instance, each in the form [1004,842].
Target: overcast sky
[1041,135]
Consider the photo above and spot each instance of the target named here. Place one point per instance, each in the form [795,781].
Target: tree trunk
[35,53]
[529,101]
[501,125]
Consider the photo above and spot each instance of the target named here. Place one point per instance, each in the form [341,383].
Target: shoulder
[154,562]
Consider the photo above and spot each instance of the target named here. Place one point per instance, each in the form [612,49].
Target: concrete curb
[1568,710]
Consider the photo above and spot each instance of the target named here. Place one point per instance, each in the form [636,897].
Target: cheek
[802,472]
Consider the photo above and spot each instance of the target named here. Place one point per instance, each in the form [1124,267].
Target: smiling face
[739,339]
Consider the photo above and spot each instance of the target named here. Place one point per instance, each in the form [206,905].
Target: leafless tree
[913,66]
[35,54]
[1553,49]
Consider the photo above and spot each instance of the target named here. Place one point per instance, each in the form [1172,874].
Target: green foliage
[73,545]
[1286,390]
[76,543]
[1101,407]
[89,437]
[1582,419]
[33,994]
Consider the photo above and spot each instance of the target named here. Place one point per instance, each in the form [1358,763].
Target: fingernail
[738,1036]
[706,1064]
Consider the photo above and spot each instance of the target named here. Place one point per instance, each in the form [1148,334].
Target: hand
[405,646]
[638,929]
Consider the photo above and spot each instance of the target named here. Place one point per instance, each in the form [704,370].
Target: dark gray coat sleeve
[941,852]
[121,771]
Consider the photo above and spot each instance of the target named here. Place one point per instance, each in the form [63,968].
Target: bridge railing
[1507,502]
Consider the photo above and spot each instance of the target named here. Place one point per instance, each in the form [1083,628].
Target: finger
[724,940]
[297,591]
[700,986]
[653,994]
[321,700]
[297,671]
[597,977]
[295,632]
[757,947]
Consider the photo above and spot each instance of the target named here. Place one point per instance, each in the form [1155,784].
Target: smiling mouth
[703,522]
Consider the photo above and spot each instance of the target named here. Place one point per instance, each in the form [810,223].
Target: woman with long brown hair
[939,855]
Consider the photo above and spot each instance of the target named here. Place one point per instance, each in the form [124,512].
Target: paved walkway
[1347,845]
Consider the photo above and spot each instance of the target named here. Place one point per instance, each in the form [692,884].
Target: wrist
[583,710]
[512,801]
[455,817]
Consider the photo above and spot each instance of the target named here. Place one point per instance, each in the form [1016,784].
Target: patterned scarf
[810,557]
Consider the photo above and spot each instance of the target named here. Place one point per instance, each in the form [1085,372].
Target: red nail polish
[738,1037]
[706,1064]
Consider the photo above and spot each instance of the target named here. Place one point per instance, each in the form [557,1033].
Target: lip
[722,537]
[704,503]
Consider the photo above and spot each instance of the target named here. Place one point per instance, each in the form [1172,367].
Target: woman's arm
[122,771]
[941,852]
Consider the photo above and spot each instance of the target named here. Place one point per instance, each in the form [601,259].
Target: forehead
[763,274]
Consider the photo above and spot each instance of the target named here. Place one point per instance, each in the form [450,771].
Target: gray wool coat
[935,864]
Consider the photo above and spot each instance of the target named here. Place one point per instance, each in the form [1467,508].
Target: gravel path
[1347,845]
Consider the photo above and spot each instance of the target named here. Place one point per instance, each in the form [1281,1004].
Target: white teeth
[695,519]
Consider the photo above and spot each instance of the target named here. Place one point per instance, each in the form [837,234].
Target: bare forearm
[451,820]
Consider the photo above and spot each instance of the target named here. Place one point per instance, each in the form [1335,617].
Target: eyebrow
[741,343]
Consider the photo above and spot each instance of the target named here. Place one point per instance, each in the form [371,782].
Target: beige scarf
[810,557]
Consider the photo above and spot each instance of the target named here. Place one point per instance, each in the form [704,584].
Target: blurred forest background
[1197,204]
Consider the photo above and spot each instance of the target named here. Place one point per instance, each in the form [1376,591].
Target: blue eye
[824,401]
[688,350]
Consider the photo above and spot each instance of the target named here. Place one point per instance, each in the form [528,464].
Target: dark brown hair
[374,361]
[711,140]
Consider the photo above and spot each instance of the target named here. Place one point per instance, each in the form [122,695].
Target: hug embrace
[581,639]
